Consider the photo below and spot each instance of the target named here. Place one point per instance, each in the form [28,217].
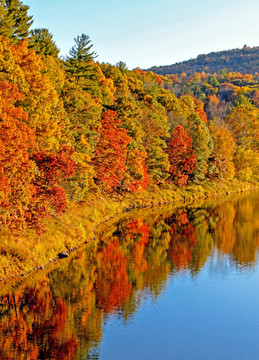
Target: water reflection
[60,313]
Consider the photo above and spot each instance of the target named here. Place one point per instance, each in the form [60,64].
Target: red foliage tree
[159,80]
[181,157]
[111,151]
[52,169]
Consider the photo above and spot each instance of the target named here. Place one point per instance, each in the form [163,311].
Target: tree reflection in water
[59,314]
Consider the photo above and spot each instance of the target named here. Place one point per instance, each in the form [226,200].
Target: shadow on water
[60,313]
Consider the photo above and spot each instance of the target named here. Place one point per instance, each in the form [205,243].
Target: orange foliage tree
[183,238]
[138,235]
[36,314]
[28,179]
[199,109]
[26,69]
[112,287]
[16,167]
[181,157]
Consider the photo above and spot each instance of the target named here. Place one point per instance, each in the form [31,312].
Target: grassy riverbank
[79,223]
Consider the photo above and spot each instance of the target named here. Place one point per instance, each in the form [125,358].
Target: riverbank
[20,255]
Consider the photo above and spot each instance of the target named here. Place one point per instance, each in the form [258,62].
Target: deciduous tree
[181,156]
[223,152]
[244,124]
[111,151]
[16,168]
[202,145]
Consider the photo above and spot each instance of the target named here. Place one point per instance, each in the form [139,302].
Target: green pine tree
[15,21]
[78,63]
[122,66]
[6,21]
[42,42]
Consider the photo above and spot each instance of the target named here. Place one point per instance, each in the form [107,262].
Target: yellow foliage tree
[223,152]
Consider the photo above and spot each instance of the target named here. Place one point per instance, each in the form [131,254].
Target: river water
[165,283]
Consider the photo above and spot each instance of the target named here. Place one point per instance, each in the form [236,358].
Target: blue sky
[149,32]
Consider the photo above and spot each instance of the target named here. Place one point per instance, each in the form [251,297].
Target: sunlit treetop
[42,42]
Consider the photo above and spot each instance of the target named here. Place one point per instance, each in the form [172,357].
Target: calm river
[165,283]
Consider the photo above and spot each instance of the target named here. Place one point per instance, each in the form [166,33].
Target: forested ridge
[70,127]
[245,61]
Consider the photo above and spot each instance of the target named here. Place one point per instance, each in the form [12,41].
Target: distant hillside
[245,61]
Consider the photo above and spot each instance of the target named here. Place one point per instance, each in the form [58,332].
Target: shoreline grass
[78,224]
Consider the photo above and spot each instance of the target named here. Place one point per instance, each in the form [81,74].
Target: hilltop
[245,61]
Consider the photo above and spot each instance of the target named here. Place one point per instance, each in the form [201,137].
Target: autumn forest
[71,126]
[129,212]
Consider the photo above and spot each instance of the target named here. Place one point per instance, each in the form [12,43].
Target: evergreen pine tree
[15,22]
[6,21]
[42,42]
[78,63]
[122,66]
